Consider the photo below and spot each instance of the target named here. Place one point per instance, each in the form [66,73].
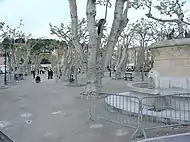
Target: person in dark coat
[48,73]
[34,74]
[38,79]
[51,74]
[109,69]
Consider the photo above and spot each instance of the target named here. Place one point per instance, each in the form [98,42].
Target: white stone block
[164,82]
[178,82]
[174,82]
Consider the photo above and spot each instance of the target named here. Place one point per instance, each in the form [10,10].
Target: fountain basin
[142,88]
[180,99]
[125,105]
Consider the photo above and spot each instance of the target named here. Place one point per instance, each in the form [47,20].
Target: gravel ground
[53,112]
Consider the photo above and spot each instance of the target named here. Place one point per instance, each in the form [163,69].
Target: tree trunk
[74,28]
[122,60]
[96,64]
[119,54]
[11,76]
[70,64]
[65,62]
[17,55]
[92,48]
[142,58]
[26,61]
[181,31]
[14,65]
[119,23]
[118,73]
[135,58]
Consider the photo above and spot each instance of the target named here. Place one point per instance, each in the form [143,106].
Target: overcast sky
[37,14]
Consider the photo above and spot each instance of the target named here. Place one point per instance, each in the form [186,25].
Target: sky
[37,14]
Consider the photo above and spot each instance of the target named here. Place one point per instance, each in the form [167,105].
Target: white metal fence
[141,114]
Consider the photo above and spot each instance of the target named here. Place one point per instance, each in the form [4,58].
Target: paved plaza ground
[54,112]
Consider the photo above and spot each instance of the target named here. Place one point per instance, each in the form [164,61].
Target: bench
[19,76]
[71,79]
[129,76]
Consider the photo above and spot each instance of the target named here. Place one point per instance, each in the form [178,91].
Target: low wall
[175,82]
[177,101]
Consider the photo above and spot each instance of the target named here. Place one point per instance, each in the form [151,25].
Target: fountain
[172,63]
[170,75]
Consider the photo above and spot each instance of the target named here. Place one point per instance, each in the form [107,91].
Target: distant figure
[43,70]
[38,79]
[60,73]
[48,73]
[32,71]
[34,74]
[171,34]
[51,74]
[16,77]
[187,34]
[109,70]
[40,71]
[71,79]
[79,70]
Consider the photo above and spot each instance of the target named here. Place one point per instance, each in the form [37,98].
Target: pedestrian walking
[34,74]
[109,69]
[51,74]
[48,73]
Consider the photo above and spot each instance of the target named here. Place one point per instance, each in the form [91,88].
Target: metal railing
[141,114]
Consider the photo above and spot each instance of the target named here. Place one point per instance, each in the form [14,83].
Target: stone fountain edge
[133,88]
